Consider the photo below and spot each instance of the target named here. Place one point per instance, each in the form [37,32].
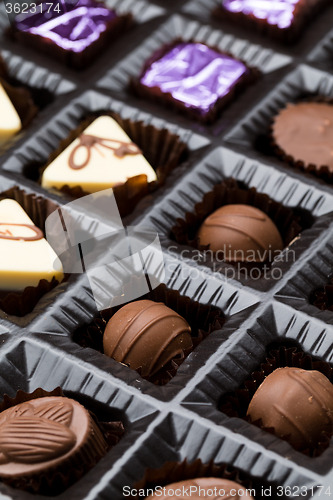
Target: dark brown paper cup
[236,404]
[230,192]
[202,319]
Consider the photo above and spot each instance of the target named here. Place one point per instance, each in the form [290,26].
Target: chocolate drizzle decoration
[7,235]
[120,149]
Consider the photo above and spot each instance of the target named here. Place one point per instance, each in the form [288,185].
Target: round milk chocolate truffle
[46,436]
[304,131]
[297,403]
[146,335]
[242,232]
[204,488]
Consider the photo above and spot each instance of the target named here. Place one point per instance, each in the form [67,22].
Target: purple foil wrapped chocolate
[278,13]
[73,29]
[195,75]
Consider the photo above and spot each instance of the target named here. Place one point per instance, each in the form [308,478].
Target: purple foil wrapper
[195,75]
[74,29]
[278,13]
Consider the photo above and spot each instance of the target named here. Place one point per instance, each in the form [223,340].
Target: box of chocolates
[166,249]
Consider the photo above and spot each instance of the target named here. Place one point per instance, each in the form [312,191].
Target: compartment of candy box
[225,177]
[122,79]
[277,337]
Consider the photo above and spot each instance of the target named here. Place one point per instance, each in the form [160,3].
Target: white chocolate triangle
[104,169]
[23,263]
[10,122]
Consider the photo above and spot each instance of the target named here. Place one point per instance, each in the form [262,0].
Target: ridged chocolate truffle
[46,436]
[244,233]
[297,403]
[304,131]
[204,487]
[146,335]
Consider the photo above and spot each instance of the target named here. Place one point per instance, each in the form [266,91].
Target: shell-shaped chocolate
[146,335]
[58,412]
[24,409]
[33,440]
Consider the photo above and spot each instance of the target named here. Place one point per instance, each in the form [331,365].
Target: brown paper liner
[302,15]
[38,209]
[58,479]
[162,149]
[229,192]
[3,69]
[202,319]
[75,60]
[322,171]
[173,472]
[236,404]
[323,298]
[155,94]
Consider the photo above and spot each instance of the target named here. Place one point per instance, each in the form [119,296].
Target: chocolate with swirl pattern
[146,335]
[296,403]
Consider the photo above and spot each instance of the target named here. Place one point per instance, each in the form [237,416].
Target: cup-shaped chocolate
[46,436]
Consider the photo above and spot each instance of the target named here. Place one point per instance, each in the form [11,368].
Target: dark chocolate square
[75,36]
[281,19]
[195,78]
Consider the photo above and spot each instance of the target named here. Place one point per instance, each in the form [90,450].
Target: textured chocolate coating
[304,131]
[223,489]
[46,435]
[295,402]
[146,334]
[244,233]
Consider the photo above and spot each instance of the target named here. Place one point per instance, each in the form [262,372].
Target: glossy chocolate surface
[204,488]
[296,403]
[195,75]
[74,29]
[44,433]
[146,335]
[243,233]
[278,13]
[304,131]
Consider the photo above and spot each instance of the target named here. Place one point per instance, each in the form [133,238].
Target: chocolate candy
[243,233]
[100,158]
[146,335]
[304,132]
[74,29]
[195,75]
[279,13]
[297,403]
[204,487]
[47,435]
[27,256]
